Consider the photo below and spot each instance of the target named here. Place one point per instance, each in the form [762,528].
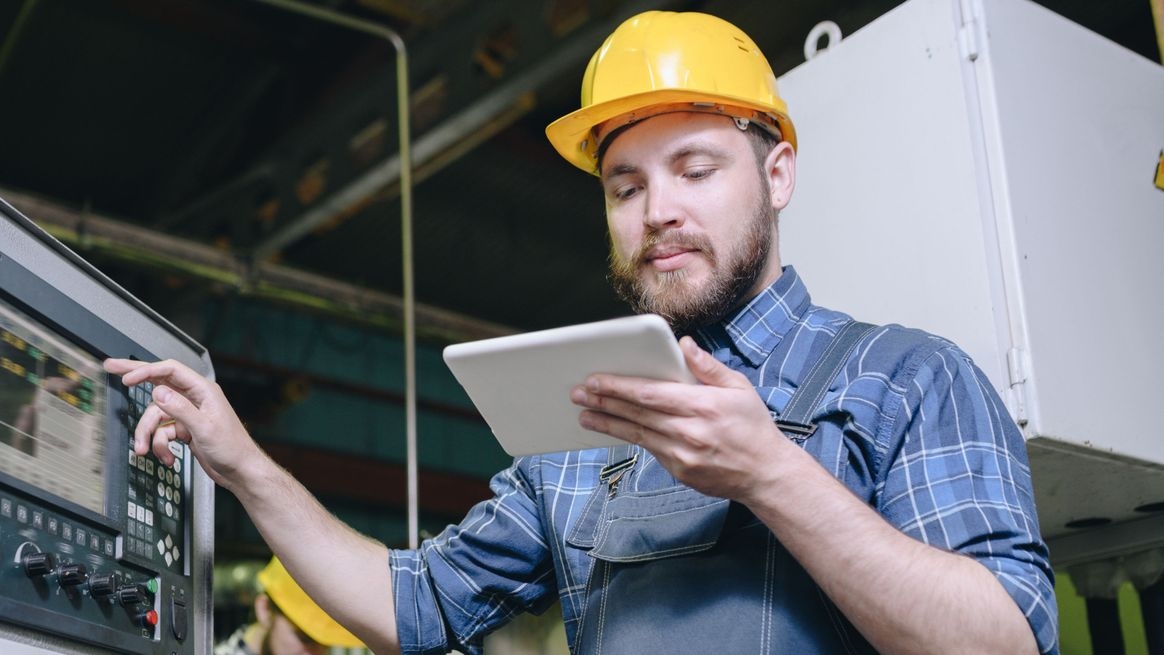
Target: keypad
[155,495]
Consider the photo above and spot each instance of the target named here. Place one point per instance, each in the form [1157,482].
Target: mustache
[671,239]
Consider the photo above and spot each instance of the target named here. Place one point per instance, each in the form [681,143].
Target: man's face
[285,638]
[691,216]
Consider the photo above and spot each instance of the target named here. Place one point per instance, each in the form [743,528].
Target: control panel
[101,549]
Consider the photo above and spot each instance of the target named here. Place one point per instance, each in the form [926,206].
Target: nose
[663,208]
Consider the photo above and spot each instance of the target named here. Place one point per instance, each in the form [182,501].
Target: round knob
[71,575]
[131,594]
[102,585]
[36,564]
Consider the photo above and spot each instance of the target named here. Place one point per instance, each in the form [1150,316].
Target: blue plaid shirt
[925,440]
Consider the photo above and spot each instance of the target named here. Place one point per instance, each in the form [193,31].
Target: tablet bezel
[521,383]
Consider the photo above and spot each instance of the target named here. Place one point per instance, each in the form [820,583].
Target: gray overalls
[676,571]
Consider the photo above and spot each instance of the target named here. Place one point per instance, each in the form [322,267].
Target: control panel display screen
[52,412]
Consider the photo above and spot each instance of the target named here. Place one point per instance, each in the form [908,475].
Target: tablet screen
[521,383]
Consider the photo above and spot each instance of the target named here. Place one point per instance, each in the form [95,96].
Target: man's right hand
[189,408]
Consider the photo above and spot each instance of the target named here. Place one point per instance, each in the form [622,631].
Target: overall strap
[795,420]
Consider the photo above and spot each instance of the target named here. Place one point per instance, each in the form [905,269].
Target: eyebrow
[699,147]
[620,169]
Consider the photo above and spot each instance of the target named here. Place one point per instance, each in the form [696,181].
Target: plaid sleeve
[959,479]
[474,576]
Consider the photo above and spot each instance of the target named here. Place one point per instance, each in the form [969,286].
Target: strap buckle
[796,431]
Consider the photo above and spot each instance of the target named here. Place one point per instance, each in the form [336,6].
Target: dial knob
[102,585]
[71,575]
[37,564]
[131,594]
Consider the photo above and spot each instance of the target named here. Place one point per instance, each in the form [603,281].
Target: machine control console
[99,547]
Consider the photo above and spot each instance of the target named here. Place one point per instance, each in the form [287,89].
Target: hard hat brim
[573,134]
[277,583]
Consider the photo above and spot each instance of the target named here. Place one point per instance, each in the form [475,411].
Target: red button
[150,618]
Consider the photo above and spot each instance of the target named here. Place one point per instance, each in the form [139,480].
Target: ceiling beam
[131,243]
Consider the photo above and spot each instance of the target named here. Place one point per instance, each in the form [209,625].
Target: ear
[263,613]
[780,166]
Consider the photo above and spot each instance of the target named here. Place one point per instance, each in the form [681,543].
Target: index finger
[121,366]
[168,372]
[659,395]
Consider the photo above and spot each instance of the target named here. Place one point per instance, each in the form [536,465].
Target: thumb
[708,369]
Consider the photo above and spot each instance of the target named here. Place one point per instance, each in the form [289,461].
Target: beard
[685,305]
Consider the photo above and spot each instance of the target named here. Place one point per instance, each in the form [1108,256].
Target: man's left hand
[716,436]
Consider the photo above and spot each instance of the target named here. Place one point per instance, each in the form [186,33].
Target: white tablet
[521,383]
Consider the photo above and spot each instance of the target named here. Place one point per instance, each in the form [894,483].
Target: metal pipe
[402,98]
[1158,19]
[456,131]
[90,232]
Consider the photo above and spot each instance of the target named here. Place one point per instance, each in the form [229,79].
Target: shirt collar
[754,331]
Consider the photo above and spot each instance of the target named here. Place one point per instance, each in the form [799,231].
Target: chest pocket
[630,519]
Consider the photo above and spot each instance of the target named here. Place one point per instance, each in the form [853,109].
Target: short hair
[762,141]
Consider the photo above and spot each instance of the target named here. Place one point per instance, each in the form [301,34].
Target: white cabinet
[987,170]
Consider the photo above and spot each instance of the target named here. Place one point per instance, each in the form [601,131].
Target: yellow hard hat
[295,604]
[661,61]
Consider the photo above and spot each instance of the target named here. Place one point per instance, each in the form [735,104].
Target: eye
[624,192]
[698,173]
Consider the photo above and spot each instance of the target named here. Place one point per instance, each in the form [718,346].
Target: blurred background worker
[286,621]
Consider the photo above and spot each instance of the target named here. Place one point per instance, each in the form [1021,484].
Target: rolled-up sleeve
[957,477]
[477,575]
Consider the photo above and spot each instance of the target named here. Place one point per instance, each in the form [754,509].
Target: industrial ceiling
[193,147]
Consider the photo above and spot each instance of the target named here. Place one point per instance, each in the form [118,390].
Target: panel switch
[178,621]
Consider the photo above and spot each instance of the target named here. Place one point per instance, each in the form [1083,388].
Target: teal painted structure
[340,387]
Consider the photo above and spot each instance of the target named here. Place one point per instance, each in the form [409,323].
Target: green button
[152,585]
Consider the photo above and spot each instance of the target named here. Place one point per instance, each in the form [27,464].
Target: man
[903,522]
[287,622]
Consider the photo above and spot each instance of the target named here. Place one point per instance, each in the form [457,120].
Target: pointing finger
[168,372]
